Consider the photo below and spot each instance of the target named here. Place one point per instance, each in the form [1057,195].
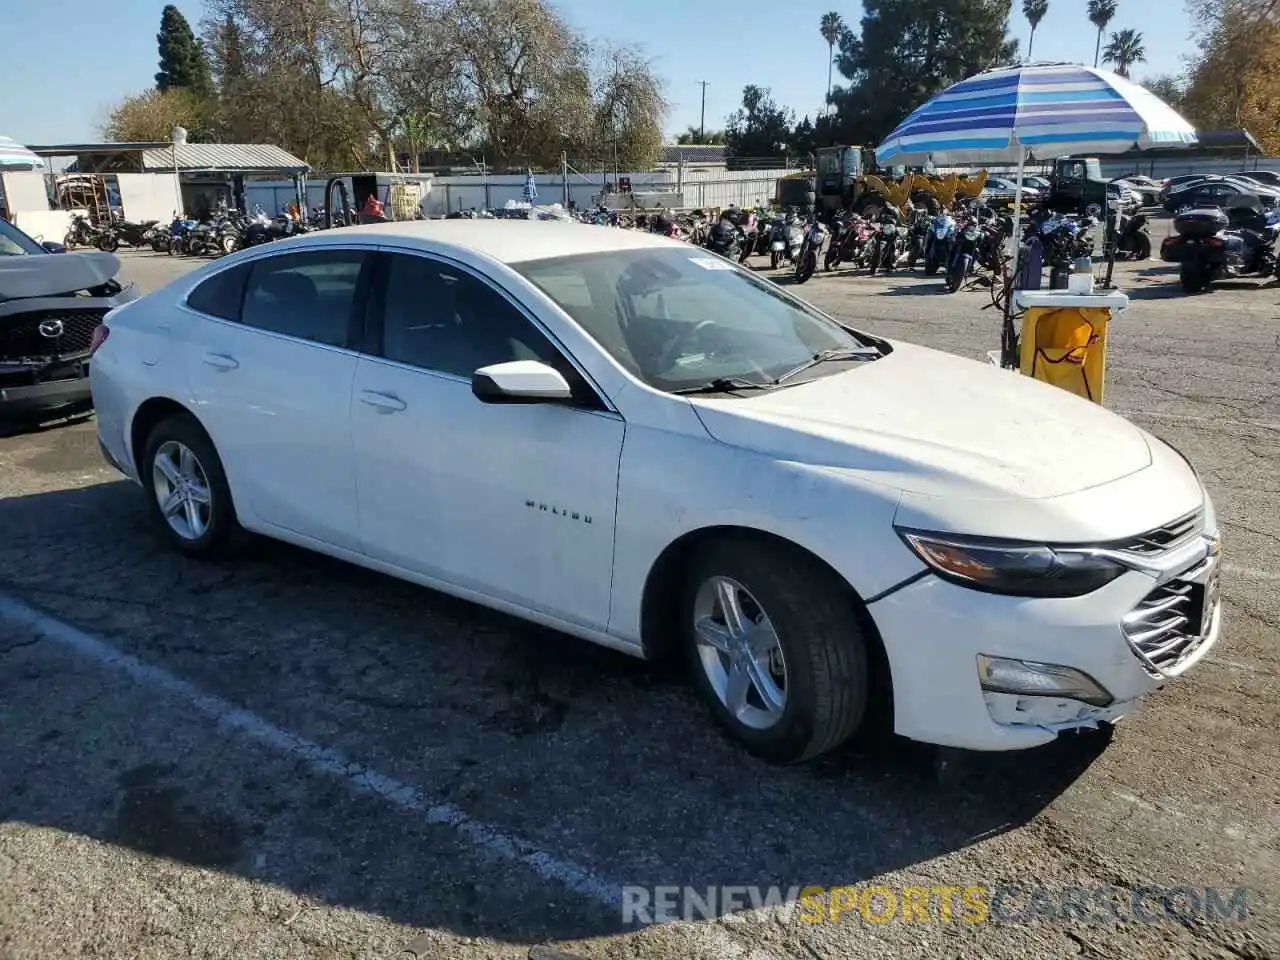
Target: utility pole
[702,119]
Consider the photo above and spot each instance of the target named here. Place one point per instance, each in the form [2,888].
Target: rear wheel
[777,649]
[190,501]
[1194,277]
[773,259]
[108,243]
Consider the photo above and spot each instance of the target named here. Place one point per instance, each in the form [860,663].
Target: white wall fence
[710,188]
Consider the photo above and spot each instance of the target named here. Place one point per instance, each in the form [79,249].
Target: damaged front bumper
[44,349]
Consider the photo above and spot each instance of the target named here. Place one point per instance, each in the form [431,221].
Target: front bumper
[934,632]
[27,392]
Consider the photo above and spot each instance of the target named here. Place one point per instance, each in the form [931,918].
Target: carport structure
[208,173]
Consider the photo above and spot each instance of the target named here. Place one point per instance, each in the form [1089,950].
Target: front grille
[1164,629]
[65,332]
[1165,537]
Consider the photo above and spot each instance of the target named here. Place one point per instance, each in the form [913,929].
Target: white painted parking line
[321,760]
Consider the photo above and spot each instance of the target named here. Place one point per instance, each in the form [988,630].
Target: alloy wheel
[181,489]
[740,653]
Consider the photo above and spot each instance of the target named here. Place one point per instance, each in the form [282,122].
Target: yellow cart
[1063,339]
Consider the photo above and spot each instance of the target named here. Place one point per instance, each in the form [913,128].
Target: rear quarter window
[221,295]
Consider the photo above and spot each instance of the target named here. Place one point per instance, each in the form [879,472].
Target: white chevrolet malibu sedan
[634,441]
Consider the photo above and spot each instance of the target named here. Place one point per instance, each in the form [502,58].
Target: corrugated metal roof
[225,158]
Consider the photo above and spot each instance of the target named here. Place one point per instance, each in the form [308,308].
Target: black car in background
[50,304]
[1217,191]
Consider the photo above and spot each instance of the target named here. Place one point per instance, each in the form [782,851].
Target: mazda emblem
[51,329]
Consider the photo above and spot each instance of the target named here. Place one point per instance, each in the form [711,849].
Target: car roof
[508,241]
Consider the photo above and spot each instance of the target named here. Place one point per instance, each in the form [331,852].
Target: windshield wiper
[827,356]
[725,385]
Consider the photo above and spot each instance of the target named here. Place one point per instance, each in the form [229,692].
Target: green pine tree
[183,65]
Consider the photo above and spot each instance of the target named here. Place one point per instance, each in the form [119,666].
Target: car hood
[930,423]
[51,274]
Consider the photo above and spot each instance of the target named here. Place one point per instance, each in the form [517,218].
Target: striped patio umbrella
[14,156]
[1039,110]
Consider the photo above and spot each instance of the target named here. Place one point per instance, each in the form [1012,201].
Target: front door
[515,501]
[272,379]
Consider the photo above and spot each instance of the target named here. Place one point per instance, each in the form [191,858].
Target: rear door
[273,377]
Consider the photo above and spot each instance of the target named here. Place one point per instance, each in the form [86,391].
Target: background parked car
[1148,190]
[50,305]
[1217,191]
[1002,190]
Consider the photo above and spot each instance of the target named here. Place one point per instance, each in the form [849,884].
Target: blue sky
[74,58]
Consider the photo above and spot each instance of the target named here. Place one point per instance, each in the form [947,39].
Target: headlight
[1011,567]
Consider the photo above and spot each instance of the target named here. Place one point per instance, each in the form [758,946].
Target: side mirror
[520,381]
[51,247]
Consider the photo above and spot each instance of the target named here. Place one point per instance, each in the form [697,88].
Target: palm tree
[1100,14]
[1034,11]
[831,29]
[1124,49]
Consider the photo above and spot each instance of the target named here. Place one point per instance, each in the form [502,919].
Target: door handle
[221,361]
[385,402]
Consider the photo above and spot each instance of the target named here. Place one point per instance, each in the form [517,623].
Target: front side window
[678,318]
[220,295]
[440,318]
[311,296]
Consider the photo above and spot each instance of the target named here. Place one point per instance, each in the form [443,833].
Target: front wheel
[747,249]
[189,500]
[160,244]
[957,272]
[1142,247]
[806,266]
[777,649]
[229,244]
[773,259]
[108,243]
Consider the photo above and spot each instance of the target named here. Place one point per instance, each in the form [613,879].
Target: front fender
[671,486]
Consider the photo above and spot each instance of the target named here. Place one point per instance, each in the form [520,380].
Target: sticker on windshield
[711,263]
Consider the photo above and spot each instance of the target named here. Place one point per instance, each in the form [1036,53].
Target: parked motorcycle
[785,240]
[815,235]
[1211,245]
[938,242]
[917,232]
[889,240]
[964,252]
[126,231]
[81,233]
[724,239]
[844,243]
[1132,239]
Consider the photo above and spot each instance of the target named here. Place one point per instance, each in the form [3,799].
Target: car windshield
[15,243]
[680,318]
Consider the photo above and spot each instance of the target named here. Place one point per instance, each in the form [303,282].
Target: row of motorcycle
[223,232]
[966,244]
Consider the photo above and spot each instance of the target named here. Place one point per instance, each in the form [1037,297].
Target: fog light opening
[1026,678]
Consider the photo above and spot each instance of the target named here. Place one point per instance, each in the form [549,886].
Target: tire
[107,243]
[229,244]
[932,265]
[69,241]
[220,532]
[160,244]
[1195,279]
[1142,247]
[807,266]
[773,259]
[956,273]
[747,249]
[821,648]
[831,260]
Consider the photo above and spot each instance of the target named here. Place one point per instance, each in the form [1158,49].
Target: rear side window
[312,296]
[220,295]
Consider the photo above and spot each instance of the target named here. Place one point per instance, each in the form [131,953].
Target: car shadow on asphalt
[604,761]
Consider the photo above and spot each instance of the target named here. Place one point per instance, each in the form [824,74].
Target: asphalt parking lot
[291,757]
